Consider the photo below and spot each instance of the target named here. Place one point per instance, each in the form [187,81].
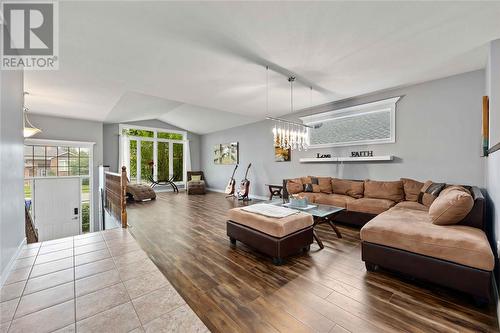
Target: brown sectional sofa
[399,233]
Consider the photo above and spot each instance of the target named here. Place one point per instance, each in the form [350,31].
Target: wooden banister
[124,181]
[115,201]
[30,230]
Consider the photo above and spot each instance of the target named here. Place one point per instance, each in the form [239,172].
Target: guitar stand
[245,198]
[231,196]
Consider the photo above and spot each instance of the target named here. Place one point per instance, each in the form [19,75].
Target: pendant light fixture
[29,130]
[288,134]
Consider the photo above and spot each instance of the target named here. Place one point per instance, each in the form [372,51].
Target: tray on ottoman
[276,237]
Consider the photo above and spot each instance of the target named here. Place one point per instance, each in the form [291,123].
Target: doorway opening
[57,167]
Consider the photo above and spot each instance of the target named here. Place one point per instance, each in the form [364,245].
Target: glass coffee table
[321,214]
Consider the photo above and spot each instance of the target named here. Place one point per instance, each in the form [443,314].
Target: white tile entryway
[98,282]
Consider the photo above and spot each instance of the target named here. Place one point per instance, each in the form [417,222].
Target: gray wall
[112,142]
[492,174]
[56,128]
[438,137]
[11,168]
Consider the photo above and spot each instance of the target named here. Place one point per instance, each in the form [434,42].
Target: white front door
[56,207]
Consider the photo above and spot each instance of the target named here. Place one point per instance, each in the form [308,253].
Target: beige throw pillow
[325,184]
[451,206]
[384,190]
[411,188]
[294,186]
[430,192]
[351,188]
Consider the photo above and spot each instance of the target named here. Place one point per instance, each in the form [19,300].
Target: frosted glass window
[353,129]
[370,123]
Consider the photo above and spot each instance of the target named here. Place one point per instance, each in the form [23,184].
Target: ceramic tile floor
[98,282]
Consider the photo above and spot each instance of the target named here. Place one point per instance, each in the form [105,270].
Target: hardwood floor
[329,290]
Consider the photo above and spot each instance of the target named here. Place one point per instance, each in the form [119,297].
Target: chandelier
[289,134]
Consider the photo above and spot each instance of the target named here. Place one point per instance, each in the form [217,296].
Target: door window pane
[85,189]
[84,161]
[51,171]
[178,161]
[51,151]
[74,166]
[28,161]
[27,189]
[39,151]
[85,216]
[163,158]
[133,161]
[146,161]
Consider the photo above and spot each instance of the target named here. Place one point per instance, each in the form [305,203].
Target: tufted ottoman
[276,237]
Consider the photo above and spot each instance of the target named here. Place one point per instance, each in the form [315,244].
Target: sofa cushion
[338,200]
[430,192]
[370,205]
[412,205]
[325,184]
[294,186]
[412,230]
[451,206]
[351,188]
[411,188]
[309,195]
[310,184]
[276,227]
[384,190]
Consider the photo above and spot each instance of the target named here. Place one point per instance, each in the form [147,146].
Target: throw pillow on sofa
[392,190]
[351,188]
[430,192]
[451,206]
[411,188]
[310,184]
[294,186]
[325,184]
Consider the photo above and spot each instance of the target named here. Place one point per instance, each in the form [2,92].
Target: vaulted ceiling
[201,65]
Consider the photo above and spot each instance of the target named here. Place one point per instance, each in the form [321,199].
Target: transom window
[45,161]
[151,153]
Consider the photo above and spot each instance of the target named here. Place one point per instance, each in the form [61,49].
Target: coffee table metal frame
[321,214]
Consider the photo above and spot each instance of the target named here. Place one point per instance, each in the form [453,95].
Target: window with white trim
[153,153]
[371,123]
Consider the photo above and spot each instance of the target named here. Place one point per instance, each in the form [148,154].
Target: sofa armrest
[285,191]
[476,217]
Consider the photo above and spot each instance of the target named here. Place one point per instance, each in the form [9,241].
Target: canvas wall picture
[226,153]
[486,125]
[282,154]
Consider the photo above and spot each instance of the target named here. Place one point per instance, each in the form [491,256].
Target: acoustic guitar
[231,184]
[244,186]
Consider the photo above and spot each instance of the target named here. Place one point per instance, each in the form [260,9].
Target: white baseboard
[8,268]
[251,196]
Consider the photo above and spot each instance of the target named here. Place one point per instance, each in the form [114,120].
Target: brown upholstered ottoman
[276,237]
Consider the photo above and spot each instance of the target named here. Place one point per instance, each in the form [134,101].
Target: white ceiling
[201,65]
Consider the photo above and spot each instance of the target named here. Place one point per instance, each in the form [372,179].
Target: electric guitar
[244,185]
[232,183]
